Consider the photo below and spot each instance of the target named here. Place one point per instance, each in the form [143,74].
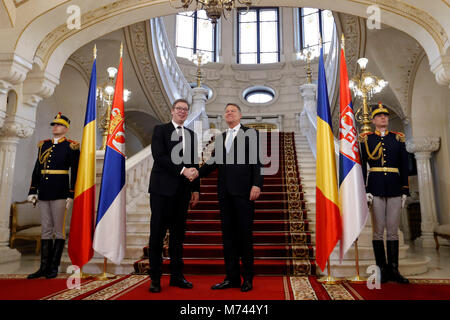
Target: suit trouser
[236,213]
[386,214]
[168,213]
[53,218]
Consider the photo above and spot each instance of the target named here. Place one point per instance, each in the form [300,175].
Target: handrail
[138,169]
[172,77]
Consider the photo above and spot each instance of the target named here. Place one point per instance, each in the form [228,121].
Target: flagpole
[105,275]
[329,279]
[357,278]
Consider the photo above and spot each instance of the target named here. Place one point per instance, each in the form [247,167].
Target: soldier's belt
[54,171]
[384,169]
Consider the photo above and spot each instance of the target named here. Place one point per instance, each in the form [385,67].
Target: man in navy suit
[236,157]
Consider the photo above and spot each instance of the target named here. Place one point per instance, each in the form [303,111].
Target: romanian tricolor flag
[352,191]
[83,211]
[328,217]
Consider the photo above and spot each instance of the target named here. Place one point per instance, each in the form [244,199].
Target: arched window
[258,35]
[312,23]
[195,32]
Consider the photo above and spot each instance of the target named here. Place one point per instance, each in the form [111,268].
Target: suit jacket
[63,155]
[165,178]
[242,169]
[385,152]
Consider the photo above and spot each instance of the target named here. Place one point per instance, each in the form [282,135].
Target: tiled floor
[439,267]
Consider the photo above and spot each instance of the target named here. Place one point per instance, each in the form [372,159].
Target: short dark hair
[233,104]
[180,100]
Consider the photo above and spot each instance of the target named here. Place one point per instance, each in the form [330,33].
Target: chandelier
[365,86]
[214,8]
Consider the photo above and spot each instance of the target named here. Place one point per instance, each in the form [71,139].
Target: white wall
[430,111]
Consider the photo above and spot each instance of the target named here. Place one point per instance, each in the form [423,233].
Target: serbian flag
[83,211]
[328,217]
[110,228]
[352,191]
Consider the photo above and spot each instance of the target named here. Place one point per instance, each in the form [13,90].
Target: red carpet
[282,240]
[135,287]
[265,288]
[419,290]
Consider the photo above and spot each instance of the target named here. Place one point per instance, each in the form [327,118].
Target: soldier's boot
[46,254]
[56,258]
[392,253]
[380,259]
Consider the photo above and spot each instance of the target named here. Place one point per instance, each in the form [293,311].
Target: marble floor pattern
[438,268]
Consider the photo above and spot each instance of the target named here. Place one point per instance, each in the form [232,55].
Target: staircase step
[212,196]
[217,266]
[143,226]
[259,237]
[260,214]
[266,251]
[258,225]
[259,204]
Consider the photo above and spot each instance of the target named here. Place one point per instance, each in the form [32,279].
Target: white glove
[68,203]
[404,196]
[369,198]
[32,198]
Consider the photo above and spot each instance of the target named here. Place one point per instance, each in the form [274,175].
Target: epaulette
[40,143]
[74,145]
[363,136]
[399,136]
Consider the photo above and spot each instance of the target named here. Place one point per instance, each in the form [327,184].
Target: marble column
[10,135]
[422,149]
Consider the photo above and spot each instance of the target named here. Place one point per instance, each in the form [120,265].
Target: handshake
[190,173]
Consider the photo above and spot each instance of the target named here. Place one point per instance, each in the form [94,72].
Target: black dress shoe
[181,282]
[226,284]
[246,286]
[155,287]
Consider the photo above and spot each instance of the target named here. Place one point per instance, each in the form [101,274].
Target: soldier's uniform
[387,181]
[53,186]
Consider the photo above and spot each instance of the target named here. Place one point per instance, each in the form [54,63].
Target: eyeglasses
[179,109]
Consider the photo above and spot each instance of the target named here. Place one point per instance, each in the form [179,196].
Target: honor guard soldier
[387,189]
[50,184]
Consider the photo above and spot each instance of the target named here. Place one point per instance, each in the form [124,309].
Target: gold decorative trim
[337,292]
[297,225]
[302,289]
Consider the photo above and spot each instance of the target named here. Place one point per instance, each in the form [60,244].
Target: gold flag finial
[121,49]
[343,42]
[95,51]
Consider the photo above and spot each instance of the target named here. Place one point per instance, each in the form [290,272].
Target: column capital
[441,69]
[423,145]
[308,90]
[16,129]
[199,93]
[13,68]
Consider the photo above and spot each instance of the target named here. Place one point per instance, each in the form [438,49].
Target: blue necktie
[230,140]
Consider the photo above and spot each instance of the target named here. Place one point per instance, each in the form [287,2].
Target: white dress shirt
[182,134]
[235,132]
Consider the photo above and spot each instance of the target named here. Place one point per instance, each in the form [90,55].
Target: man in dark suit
[239,184]
[174,150]
[387,187]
